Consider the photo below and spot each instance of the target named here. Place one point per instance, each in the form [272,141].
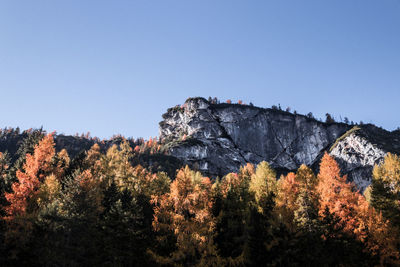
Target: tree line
[99,209]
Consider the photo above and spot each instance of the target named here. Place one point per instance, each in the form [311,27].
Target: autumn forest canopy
[105,207]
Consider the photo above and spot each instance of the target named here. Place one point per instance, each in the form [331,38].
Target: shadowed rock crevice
[227,136]
[284,149]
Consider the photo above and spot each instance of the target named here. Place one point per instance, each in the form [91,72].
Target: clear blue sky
[115,66]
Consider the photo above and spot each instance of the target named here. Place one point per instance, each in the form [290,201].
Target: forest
[102,208]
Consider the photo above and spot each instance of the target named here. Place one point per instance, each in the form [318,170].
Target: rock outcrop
[219,138]
[359,149]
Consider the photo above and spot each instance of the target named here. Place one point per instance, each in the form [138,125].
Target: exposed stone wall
[228,136]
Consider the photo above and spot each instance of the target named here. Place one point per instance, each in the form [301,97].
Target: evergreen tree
[231,207]
[385,188]
[339,247]
[74,222]
[26,147]
[5,162]
[259,243]
[122,230]
[4,170]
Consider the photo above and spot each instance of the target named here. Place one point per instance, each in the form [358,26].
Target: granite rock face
[219,138]
[361,148]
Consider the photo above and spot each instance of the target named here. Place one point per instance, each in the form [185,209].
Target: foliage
[186,212]
[102,208]
[385,188]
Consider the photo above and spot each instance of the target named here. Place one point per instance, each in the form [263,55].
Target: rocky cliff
[360,148]
[219,138]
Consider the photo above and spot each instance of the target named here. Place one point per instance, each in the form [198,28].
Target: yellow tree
[61,162]
[306,177]
[305,211]
[117,167]
[186,212]
[385,188]
[263,184]
[263,188]
[4,165]
[150,184]
[49,191]
[238,182]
